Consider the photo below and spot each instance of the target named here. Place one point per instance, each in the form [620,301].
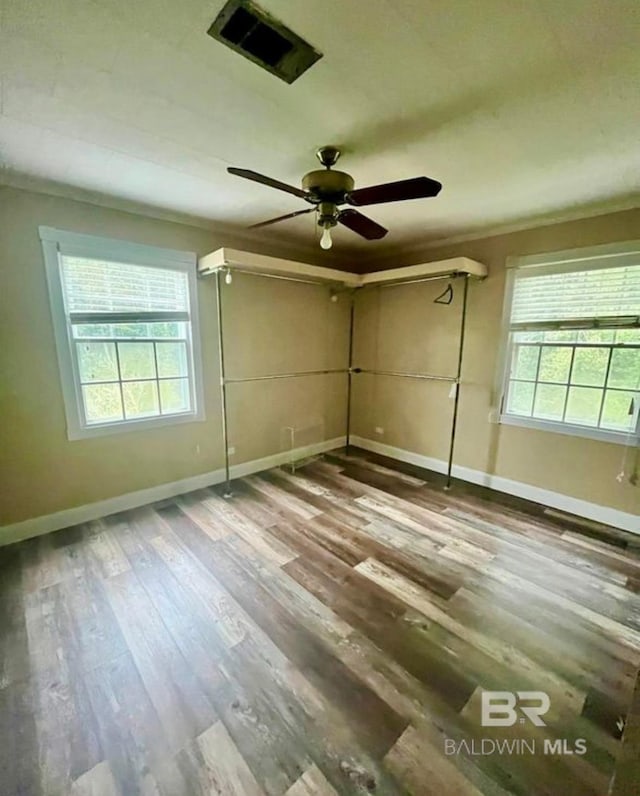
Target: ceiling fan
[326,190]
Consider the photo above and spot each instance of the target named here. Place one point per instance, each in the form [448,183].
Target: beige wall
[401,328]
[276,327]
[276,330]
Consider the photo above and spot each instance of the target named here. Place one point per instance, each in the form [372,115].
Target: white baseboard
[37,526]
[556,500]
[257,465]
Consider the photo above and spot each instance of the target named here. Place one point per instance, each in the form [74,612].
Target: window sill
[123,427]
[616,437]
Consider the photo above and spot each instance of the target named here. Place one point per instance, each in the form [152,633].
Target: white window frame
[594,257]
[56,242]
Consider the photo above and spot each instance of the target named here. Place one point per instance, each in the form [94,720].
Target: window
[573,343]
[125,323]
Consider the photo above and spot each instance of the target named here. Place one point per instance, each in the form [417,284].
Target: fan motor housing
[328,185]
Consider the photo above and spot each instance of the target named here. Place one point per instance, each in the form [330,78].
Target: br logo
[499,707]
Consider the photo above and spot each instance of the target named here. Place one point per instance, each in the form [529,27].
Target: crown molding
[533,222]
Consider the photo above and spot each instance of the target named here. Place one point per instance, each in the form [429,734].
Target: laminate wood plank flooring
[326,632]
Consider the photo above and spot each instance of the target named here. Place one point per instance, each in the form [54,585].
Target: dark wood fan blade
[362,225]
[282,218]
[416,188]
[261,178]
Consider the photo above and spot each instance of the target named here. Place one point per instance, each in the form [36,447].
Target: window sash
[563,424]
[116,341]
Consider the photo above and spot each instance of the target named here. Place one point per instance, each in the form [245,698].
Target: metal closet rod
[399,283]
[426,376]
[341,285]
[318,282]
[298,373]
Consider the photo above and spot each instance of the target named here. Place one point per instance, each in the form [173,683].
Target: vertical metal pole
[454,419]
[350,366]
[223,387]
[292,446]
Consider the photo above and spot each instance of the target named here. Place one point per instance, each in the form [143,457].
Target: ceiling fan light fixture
[328,215]
[325,240]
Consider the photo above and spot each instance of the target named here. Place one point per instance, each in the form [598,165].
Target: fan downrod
[328,155]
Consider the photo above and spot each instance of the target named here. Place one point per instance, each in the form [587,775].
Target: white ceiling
[521,108]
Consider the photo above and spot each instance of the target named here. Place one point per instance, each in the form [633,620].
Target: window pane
[137,360]
[628,336]
[92,330]
[625,368]
[555,364]
[549,401]
[525,362]
[168,329]
[129,330]
[561,336]
[528,337]
[583,406]
[174,396]
[140,399]
[596,335]
[520,398]
[172,359]
[590,366]
[97,362]
[102,403]
[618,411]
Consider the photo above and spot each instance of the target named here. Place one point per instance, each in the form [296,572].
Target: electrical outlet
[379,430]
[232,450]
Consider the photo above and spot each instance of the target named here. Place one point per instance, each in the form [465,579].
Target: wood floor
[320,633]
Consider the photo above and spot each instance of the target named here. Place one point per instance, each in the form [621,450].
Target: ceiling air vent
[250,31]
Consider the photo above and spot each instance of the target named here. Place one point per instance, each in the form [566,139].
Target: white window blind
[101,286]
[603,293]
